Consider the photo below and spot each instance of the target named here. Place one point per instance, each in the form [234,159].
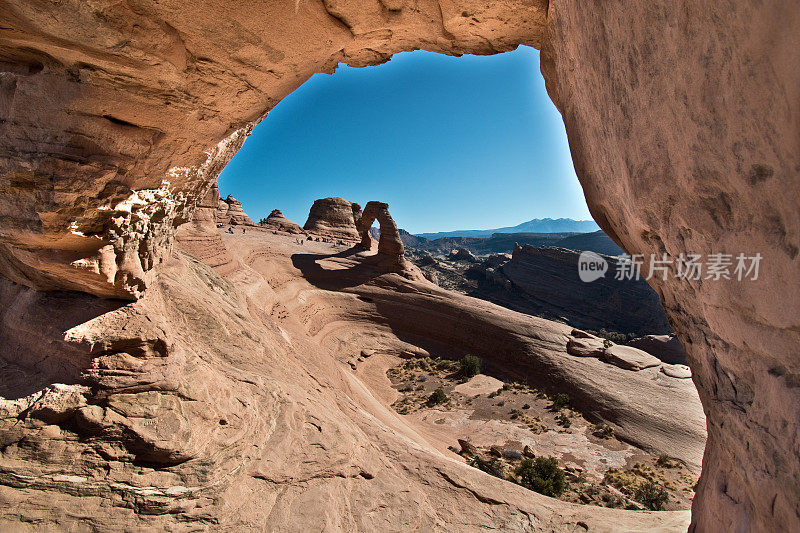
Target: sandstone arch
[390,247]
[682,121]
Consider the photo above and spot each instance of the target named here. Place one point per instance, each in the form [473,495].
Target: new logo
[591,266]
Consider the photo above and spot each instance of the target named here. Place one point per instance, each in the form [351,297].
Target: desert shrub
[624,480]
[563,420]
[438,397]
[665,461]
[613,336]
[612,500]
[603,431]
[469,366]
[560,400]
[651,495]
[542,475]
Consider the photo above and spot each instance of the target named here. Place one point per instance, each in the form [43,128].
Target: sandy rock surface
[682,127]
[237,403]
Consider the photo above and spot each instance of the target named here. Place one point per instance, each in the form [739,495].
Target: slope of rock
[234,407]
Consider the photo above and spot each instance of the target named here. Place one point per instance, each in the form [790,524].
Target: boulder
[585,347]
[427,260]
[496,260]
[462,254]
[629,358]
[580,334]
[467,448]
[676,371]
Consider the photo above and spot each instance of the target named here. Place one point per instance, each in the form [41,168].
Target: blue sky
[450,143]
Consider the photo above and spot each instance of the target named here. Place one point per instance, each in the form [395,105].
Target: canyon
[154,374]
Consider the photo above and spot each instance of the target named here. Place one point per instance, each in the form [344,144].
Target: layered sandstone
[172,418]
[117,118]
[276,220]
[333,217]
[230,211]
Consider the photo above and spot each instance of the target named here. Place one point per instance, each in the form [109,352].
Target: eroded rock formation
[390,247]
[682,121]
[333,217]
[277,221]
[230,211]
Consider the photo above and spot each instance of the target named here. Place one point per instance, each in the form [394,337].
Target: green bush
[438,397]
[469,366]
[542,475]
[560,400]
[614,336]
[651,495]
[563,420]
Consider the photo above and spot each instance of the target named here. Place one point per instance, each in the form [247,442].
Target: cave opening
[451,143]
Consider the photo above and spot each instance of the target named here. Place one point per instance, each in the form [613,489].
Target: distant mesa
[277,221]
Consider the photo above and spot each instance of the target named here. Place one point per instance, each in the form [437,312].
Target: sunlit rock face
[230,211]
[682,122]
[333,217]
[115,120]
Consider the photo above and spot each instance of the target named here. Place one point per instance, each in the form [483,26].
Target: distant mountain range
[596,241]
[537,225]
